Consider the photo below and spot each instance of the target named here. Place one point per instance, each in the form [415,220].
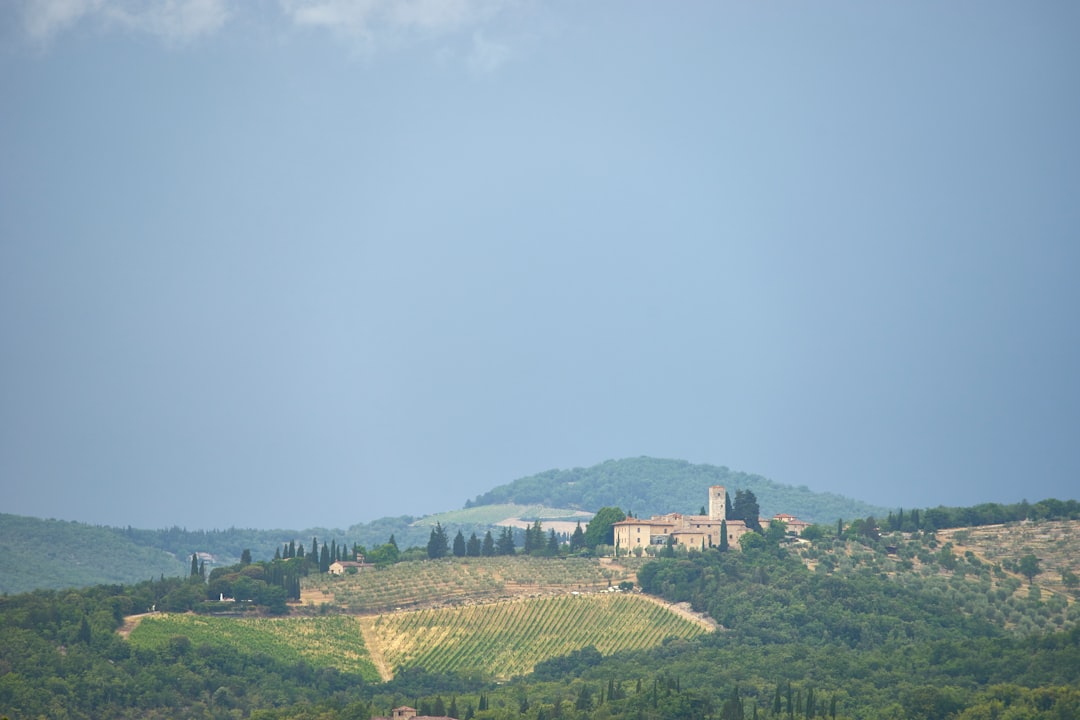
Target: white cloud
[381,22]
[175,20]
[487,56]
[462,27]
[45,18]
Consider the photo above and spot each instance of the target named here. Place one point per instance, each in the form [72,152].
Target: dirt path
[374,647]
[684,610]
[131,622]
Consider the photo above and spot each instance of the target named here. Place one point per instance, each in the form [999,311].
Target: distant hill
[57,554]
[650,486]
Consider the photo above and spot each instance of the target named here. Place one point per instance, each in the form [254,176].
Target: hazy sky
[313,262]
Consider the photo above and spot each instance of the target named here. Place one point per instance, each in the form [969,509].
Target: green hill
[57,554]
[650,486]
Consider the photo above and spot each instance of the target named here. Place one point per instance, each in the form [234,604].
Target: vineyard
[320,641]
[509,638]
[499,639]
[455,581]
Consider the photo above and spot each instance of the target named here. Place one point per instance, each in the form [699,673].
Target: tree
[437,546]
[194,565]
[324,559]
[601,529]
[459,544]
[472,547]
[488,547]
[1029,567]
[245,557]
[552,544]
[776,532]
[732,709]
[505,544]
[577,540]
[746,509]
[723,536]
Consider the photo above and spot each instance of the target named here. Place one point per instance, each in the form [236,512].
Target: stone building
[693,531]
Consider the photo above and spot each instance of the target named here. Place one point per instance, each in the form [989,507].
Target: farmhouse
[794,525]
[343,566]
[695,531]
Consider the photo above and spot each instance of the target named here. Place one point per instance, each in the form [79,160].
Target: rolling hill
[651,486]
[69,554]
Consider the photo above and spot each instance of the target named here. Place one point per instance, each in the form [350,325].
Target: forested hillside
[650,486]
[56,554]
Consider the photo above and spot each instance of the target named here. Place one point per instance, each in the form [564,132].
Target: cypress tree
[292,549]
[459,544]
[723,536]
[194,564]
[552,543]
[577,540]
[472,547]
[324,559]
[488,548]
[333,552]
[437,546]
[245,557]
[277,553]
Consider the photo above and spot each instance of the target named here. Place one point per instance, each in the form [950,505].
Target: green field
[320,641]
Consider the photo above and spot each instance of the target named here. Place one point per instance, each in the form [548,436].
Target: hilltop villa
[694,531]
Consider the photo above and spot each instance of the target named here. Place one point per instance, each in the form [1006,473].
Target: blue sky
[313,262]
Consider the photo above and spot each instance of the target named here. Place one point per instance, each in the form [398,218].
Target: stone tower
[717,502]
